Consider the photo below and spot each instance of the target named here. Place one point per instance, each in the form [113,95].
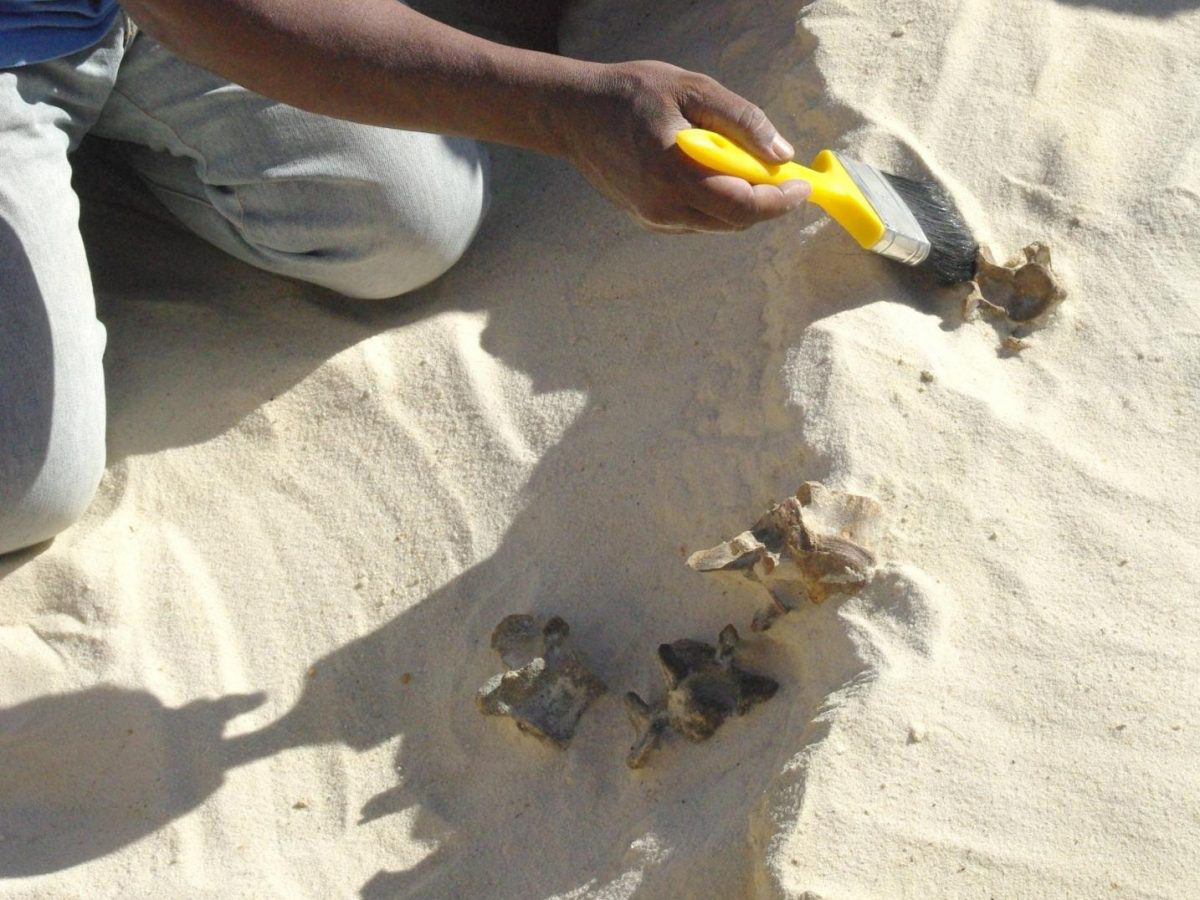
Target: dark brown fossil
[705,686]
[547,686]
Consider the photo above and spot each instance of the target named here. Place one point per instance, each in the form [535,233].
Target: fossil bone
[807,547]
[705,686]
[547,686]
[1023,291]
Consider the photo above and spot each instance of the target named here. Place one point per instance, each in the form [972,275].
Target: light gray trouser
[368,212]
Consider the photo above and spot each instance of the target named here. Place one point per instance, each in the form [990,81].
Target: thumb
[233,705]
[721,110]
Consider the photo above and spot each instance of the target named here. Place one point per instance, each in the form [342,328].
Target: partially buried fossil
[705,686]
[808,547]
[547,687]
[1023,291]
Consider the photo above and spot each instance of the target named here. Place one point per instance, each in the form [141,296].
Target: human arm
[380,62]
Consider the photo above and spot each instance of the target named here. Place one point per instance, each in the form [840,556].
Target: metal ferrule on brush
[903,238]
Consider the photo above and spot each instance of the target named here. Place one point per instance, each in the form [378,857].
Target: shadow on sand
[701,433]
[1156,8]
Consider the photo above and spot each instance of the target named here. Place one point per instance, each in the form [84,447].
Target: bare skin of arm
[381,63]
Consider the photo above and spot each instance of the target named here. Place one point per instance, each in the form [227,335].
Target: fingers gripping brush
[912,222]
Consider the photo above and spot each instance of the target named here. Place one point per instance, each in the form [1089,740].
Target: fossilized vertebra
[547,687]
[807,547]
[704,687]
[1024,290]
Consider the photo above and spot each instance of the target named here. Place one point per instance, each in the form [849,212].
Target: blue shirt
[36,30]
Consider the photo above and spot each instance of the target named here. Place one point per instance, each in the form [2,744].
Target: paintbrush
[912,222]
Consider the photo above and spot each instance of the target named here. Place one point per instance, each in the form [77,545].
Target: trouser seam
[233,192]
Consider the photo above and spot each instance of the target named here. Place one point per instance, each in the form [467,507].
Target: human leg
[51,344]
[368,212]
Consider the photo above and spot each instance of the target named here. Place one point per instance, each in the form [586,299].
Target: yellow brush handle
[721,154]
[832,187]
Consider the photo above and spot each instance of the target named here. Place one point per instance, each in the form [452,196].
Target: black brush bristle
[952,248]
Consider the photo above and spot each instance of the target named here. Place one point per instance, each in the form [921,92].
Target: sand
[250,670]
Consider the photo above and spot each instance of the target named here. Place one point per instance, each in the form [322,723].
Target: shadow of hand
[89,772]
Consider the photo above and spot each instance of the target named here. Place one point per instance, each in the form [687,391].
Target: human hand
[622,138]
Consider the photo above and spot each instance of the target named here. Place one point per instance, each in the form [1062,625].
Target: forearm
[381,63]
[377,62]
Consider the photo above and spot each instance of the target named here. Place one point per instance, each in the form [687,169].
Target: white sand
[309,500]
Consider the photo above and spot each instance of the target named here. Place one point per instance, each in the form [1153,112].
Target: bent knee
[405,225]
[416,229]
[55,500]
[396,267]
